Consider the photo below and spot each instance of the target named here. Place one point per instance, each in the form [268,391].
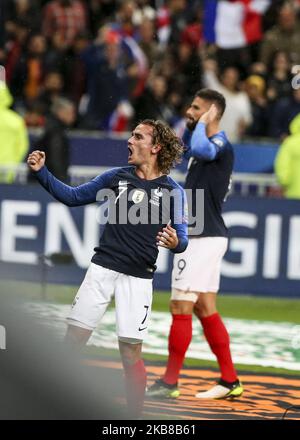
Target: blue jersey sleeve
[179,219]
[186,139]
[74,196]
[202,147]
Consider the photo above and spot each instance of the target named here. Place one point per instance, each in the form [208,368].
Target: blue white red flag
[232,24]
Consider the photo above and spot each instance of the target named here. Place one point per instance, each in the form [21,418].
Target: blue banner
[107,151]
[263,256]
[249,157]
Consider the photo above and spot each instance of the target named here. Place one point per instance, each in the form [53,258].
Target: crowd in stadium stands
[122,61]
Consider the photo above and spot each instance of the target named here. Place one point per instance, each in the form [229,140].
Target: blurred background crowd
[106,64]
[121,61]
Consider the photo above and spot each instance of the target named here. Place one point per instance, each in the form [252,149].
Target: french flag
[232,24]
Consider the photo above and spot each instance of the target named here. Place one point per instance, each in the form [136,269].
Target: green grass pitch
[229,306]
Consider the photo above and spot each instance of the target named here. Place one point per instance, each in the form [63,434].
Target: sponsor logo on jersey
[141,329]
[156,194]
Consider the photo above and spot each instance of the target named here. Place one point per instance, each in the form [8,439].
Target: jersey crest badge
[138,196]
[218,142]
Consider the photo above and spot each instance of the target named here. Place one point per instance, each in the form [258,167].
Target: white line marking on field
[268,344]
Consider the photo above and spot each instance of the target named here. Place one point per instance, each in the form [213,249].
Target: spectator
[74,70]
[152,104]
[287,163]
[29,12]
[100,12]
[17,38]
[136,64]
[125,18]
[52,89]
[279,78]
[284,36]
[192,34]
[188,69]
[143,12]
[283,112]
[256,88]
[35,115]
[54,141]
[14,139]
[166,68]
[60,59]
[107,78]
[35,70]
[172,19]
[67,17]
[141,36]
[4,12]
[237,116]
[146,41]
[29,72]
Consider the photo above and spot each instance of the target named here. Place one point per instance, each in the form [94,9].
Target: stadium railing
[243,184]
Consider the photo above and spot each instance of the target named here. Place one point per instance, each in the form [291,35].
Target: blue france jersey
[210,169]
[138,210]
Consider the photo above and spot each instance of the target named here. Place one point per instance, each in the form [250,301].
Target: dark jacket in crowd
[106,87]
[56,145]
[284,111]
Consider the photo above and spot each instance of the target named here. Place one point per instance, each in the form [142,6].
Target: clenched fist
[36,160]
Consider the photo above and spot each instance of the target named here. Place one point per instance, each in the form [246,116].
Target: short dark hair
[214,97]
[171,145]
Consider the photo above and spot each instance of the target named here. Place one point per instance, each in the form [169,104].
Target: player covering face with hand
[196,272]
[124,262]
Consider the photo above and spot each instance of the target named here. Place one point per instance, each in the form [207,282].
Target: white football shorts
[198,268]
[133,301]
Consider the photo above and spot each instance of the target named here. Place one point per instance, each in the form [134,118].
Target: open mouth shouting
[130,152]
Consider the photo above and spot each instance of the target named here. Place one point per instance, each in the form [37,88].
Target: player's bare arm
[167,238]
[36,160]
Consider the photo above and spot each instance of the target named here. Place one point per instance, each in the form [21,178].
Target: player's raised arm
[201,146]
[70,196]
